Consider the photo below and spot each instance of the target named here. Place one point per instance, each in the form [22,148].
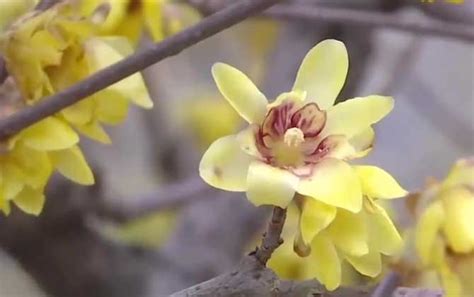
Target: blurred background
[150,227]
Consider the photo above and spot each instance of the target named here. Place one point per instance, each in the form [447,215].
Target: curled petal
[309,119]
[369,264]
[268,185]
[326,263]
[427,229]
[377,183]
[354,116]
[315,216]
[333,182]
[241,93]
[224,165]
[72,164]
[349,233]
[49,134]
[323,72]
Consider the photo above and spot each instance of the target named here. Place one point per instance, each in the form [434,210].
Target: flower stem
[272,237]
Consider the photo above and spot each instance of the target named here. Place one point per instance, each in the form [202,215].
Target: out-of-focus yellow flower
[52,50]
[10,10]
[130,18]
[28,158]
[46,52]
[299,142]
[444,235]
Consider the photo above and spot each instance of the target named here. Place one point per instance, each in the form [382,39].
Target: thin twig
[41,6]
[388,285]
[354,17]
[272,238]
[167,197]
[132,64]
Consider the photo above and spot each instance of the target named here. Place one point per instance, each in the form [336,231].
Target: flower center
[293,137]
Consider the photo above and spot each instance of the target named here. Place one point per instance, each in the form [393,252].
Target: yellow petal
[224,165]
[13,181]
[369,264]
[349,233]
[323,72]
[354,116]
[325,262]
[363,142]
[79,113]
[427,230]
[333,182]
[315,216]
[247,141]
[268,185]
[49,134]
[462,173]
[34,166]
[153,17]
[106,51]
[72,164]
[112,107]
[240,92]
[377,183]
[383,234]
[95,131]
[451,283]
[30,201]
[458,225]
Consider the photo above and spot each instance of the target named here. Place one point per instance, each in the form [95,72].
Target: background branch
[431,27]
[132,64]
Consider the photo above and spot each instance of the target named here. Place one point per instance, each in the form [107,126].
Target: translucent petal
[268,185]
[326,263]
[427,230]
[72,164]
[383,234]
[315,216]
[49,134]
[349,233]
[354,116]
[240,92]
[323,72]
[224,165]
[106,51]
[458,225]
[377,183]
[30,201]
[363,142]
[333,182]
[369,264]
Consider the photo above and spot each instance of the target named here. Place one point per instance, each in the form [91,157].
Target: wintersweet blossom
[300,142]
[444,235]
[65,51]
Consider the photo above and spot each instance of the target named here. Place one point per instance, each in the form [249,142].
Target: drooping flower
[444,235]
[46,52]
[49,51]
[299,143]
[28,158]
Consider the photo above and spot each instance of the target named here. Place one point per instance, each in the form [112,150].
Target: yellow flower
[299,142]
[28,158]
[10,10]
[131,18]
[50,51]
[444,235]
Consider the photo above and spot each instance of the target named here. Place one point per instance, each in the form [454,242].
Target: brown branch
[134,63]
[272,237]
[354,17]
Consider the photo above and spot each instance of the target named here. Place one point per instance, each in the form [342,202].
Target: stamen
[293,137]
